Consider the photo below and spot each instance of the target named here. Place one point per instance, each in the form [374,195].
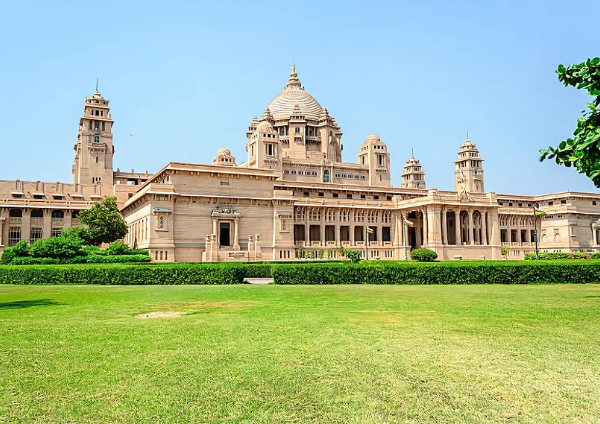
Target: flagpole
[404,232]
[366,243]
[537,256]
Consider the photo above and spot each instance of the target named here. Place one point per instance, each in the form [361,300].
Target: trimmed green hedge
[464,272]
[376,272]
[562,256]
[91,259]
[117,274]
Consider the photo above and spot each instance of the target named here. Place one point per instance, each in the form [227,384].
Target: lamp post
[366,243]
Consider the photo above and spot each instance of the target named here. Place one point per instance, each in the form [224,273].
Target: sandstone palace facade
[294,194]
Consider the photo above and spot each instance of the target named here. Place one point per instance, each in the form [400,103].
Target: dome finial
[293,74]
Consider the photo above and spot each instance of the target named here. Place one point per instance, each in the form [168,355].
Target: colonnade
[470,226]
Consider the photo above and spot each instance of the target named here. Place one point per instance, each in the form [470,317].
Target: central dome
[282,106]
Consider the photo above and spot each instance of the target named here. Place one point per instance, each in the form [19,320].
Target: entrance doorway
[224,231]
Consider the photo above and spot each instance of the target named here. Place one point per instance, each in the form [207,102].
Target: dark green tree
[104,223]
[583,150]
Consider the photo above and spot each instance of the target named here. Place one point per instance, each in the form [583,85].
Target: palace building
[294,194]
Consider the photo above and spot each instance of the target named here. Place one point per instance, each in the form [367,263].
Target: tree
[104,222]
[583,150]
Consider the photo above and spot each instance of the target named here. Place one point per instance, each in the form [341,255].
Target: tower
[373,154]
[413,175]
[468,173]
[94,150]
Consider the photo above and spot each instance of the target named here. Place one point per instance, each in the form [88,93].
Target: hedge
[91,259]
[120,274]
[464,272]
[556,256]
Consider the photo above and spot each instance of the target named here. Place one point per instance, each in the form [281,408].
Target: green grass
[300,354]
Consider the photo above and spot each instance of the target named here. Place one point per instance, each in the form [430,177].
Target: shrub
[93,250]
[89,259]
[76,232]
[423,255]
[118,248]
[562,256]
[21,248]
[57,247]
[352,255]
[8,255]
[504,250]
[121,274]
[462,272]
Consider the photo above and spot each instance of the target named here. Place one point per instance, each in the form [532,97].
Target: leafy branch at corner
[583,150]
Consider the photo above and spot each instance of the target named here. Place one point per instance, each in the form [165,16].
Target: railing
[330,243]
[315,243]
[345,243]
[387,244]
[505,243]
[373,243]
[359,243]
[300,243]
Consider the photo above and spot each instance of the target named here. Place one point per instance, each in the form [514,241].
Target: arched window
[58,214]
[15,213]
[37,213]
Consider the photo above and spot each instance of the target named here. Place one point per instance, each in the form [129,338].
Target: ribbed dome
[282,106]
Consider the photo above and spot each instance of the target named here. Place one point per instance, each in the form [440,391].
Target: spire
[294,82]
[97,94]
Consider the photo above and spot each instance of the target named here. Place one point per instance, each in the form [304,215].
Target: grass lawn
[300,353]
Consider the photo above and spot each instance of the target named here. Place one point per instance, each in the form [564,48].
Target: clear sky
[185,78]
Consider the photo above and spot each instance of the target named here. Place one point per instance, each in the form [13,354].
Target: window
[15,213]
[520,204]
[38,196]
[321,194]
[96,139]
[96,159]
[37,213]
[362,159]
[326,176]
[380,160]
[593,203]
[56,232]
[510,204]
[363,196]
[388,198]
[96,180]
[14,236]
[330,133]
[550,203]
[270,149]
[282,132]
[103,126]
[96,125]
[17,195]
[563,202]
[348,196]
[97,113]
[335,195]
[297,130]
[102,114]
[375,197]
[306,194]
[36,234]
[58,214]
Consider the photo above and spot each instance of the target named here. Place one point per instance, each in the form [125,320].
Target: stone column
[322,226]
[444,227]
[214,222]
[418,226]
[508,230]
[47,231]
[457,226]
[484,217]
[236,233]
[26,225]
[425,227]
[306,227]
[1,230]
[470,239]
[519,231]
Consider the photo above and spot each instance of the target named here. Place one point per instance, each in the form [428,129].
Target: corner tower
[468,174]
[373,153]
[413,175]
[94,150]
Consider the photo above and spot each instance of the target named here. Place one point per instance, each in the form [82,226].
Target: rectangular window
[96,180]
[363,196]
[104,126]
[380,160]
[375,197]
[306,194]
[270,149]
[297,129]
[14,236]
[348,196]
[38,196]
[96,159]
[96,125]
[321,194]
[56,232]
[335,195]
[36,234]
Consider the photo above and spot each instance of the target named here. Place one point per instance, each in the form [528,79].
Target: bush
[8,256]
[121,274]
[352,255]
[57,247]
[463,272]
[504,250]
[118,248]
[423,255]
[562,256]
[93,250]
[89,259]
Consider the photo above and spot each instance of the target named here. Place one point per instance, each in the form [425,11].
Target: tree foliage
[583,150]
[104,222]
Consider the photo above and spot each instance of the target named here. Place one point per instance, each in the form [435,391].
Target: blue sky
[185,78]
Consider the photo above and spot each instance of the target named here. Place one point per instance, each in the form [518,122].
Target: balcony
[330,243]
[345,244]
[315,244]
[300,244]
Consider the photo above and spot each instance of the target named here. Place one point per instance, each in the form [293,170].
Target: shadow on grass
[20,304]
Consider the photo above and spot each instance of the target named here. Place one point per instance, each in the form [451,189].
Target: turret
[468,174]
[373,153]
[94,150]
[413,175]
